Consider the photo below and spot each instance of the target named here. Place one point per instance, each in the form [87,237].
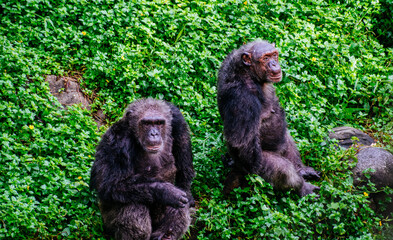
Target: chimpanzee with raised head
[254,123]
[143,171]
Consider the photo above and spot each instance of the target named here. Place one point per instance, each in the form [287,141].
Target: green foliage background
[336,73]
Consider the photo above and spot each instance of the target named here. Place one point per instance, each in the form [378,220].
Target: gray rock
[345,134]
[382,162]
[378,159]
[67,91]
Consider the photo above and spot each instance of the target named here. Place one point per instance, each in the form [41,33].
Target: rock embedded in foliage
[67,91]
[345,135]
[381,161]
[378,159]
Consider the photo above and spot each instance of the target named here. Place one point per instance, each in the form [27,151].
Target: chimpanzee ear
[274,44]
[246,58]
[128,113]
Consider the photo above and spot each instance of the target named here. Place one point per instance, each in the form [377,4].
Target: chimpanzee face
[263,62]
[151,133]
[267,67]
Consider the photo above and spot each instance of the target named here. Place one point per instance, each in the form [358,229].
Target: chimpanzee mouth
[276,77]
[153,149]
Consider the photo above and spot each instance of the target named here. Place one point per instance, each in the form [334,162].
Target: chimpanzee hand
[173,196]
[191,201]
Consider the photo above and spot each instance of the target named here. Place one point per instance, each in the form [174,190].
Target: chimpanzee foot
[163,236]
[308,188]
[309,173]
[168,235]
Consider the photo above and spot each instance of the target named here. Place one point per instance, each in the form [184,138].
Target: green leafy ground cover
[336,73]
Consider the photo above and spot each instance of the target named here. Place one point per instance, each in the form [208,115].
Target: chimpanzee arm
[241,111]
[137,189]
[181,150]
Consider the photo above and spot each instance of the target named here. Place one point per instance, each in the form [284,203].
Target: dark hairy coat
[126,177]
[254,123]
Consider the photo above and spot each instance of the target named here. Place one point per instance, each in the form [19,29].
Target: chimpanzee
[143,171]
[254,123]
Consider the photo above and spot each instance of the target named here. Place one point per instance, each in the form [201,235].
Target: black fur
[142,195]
[254,122]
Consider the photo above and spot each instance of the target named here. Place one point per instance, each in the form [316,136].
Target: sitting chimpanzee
[143,172]
[254,122]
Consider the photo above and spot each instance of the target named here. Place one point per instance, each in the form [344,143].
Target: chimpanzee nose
[273,63]
[274,66]
[153,133]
